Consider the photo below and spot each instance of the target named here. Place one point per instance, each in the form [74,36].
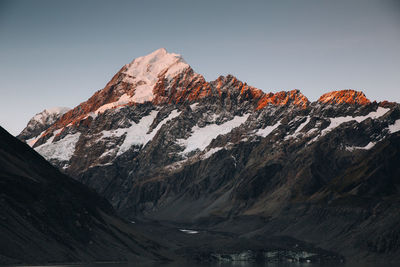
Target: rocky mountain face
[160,142]
[46,216]
[39,123]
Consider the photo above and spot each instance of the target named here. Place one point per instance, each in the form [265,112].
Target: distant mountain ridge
[160,142]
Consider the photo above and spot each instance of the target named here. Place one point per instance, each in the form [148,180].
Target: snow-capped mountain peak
[152,65]
[144,72]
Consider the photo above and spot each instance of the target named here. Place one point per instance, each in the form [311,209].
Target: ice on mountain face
[109,153]
[138,133]
[145,72]
[210,152]
[123,100]
[91,114]
[202,137]
[267,130]
[175,113]
[395,127]
[194,106]
[367,147]
[135,135]
[31,142]
[299,128]
[303,125]
[62,150]
[335,122]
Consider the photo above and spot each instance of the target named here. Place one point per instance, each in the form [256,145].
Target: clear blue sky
[58,53]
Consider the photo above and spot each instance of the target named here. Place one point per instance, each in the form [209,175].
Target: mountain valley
[168,149]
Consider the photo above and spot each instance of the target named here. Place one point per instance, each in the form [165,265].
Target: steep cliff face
[160,142]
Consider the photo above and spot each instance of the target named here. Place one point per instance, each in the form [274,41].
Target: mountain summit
[145,72]
[136,80]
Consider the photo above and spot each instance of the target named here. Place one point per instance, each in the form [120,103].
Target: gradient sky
[58,53]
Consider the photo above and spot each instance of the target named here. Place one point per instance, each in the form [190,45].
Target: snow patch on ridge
[210,152]
[138,133]
[335,122]
[123,100]
[366,147]
[135,134]
[267,130]
[395,127]
[194,106]
[301,126]
[202,137]
[31,142]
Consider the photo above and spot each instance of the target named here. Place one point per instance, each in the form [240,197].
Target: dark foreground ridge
[46,217]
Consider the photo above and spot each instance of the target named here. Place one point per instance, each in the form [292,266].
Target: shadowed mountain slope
[46,216]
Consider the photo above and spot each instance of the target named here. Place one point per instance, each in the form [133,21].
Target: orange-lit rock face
[231,85]
[187,86]
[283,98]
[387,104]
[111,92]
[344,96]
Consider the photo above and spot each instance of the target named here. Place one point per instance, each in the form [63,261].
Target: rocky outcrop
[344,96]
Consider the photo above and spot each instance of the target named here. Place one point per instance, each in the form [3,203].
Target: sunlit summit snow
[144,72]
